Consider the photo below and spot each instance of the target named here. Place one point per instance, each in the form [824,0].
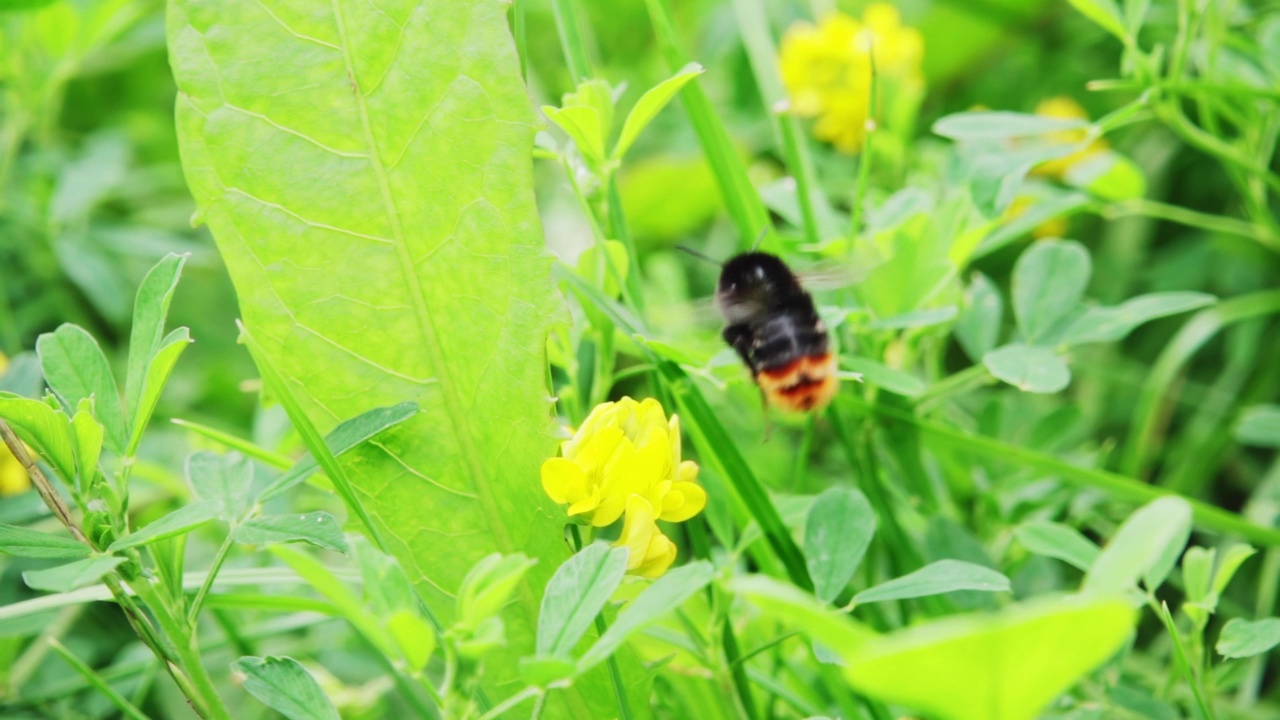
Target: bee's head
[751,283]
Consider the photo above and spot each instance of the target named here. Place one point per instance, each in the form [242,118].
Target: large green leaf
[387,249]
[1000,666]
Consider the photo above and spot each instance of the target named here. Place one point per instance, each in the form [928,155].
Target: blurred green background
[92,194]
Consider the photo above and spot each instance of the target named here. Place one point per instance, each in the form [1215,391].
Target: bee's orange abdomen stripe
[805,384]
[809,396]
[781,373]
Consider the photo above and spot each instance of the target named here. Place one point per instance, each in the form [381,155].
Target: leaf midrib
[457,420]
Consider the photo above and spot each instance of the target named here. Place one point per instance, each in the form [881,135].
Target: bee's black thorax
[771,320]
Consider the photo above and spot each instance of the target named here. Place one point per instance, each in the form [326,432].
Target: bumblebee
[770,320]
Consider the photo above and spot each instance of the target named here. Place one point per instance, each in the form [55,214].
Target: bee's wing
[701,313]
[823,278]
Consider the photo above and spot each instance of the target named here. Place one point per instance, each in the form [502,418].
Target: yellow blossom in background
[624,448]
[827,69]
[13,477]
[1068,109]
[650,552]
[1052,228]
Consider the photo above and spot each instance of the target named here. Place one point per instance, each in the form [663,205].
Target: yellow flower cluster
[626,459]
[1067,109]
[827,69]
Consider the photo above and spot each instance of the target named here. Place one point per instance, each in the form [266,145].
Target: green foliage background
[371,189]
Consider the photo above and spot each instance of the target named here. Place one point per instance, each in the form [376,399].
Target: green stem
[739,195]
[798,162]
[1184,664]
[1268,582]
[575,50]
[122,703]
[1185,87]
[597,233]
[617,224]
[1197,331]
[249,448]
[193,613]
[860,191]
[864,163]
[737,670]
[860,453]
[1177,121]
[1192,218]
[715,445]
[497,710]
[802,454]
[757,37]
[971,378]
[205,698]
[615,673]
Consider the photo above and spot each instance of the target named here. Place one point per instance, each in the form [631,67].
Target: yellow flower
[624,448]
[1068,109]
[13,477]
[827,68]
[650,552]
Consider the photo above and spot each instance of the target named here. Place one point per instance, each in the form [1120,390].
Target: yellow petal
[688,471]
[595,451]
[587,504]
[563,480]
[692,499]
[637,531]
[601,416]
[673,437]
[660,554]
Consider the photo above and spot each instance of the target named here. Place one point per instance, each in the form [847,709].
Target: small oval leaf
[1028,368]
[836,536]
[317,528]
[1049,280]
[1145,547]
[34,544]
[180,521]
[936,578]
[575,595]
[283,685]
[664,595]
[65,578]
[1059,541]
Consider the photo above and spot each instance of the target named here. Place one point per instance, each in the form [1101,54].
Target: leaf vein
[305,220]
[419,474]
[292,131]
[291,31]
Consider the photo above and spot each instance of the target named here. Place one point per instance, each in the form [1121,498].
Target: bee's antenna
[699,255]
[759,238]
